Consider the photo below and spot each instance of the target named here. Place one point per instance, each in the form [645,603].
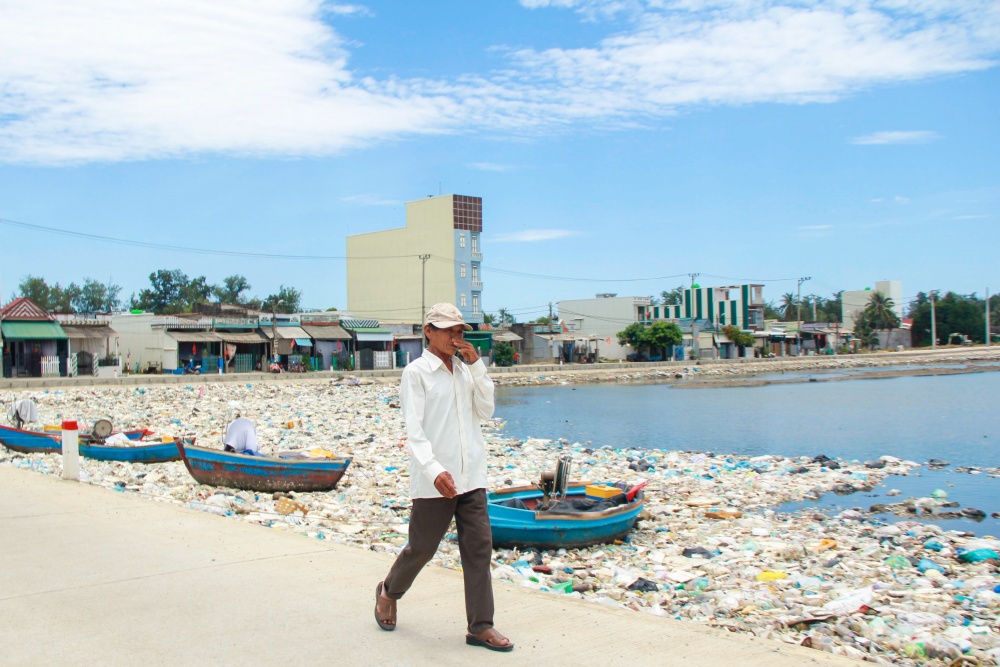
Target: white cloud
[347,10]
[896,137]
[491,166]
[369,200]
[533,235]
[899,199]
[814,228]
[112,80]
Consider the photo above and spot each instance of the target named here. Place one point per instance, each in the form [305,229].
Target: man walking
[443,398]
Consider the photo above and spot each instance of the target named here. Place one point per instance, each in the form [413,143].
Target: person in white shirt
[443,398]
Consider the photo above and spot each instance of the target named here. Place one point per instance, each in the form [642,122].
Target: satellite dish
[102,429]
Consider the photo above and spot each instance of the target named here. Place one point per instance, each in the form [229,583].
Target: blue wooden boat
[262,473]
[50,442]
[513,527]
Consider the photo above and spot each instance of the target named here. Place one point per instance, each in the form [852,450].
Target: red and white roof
[24,309]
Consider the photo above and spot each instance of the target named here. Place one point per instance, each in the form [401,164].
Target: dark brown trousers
[429,519]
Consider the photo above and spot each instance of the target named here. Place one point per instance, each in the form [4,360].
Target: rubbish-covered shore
[710,549]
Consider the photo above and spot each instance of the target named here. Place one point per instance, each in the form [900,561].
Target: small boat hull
[513,527]
[40,442]
[260,473]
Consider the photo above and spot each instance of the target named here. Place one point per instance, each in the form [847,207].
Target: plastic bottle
[897,562]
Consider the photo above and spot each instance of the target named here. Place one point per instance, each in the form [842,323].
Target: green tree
[36,289]
[660,335]
[955,314]
[61,298]
[632,335]
[505,316]
[770,312]
[674,297]
[165,292]
[735,334]
[232,290]
[503,354]
[489,318]
[541,320]
[879,314]
[287,300]
[788,307]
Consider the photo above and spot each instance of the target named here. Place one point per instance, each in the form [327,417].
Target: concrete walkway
[93,577]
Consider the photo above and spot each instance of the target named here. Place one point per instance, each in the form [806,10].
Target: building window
[475,303]
[461,240]
[475,272]
[475,243]
[461,270]
[461,300]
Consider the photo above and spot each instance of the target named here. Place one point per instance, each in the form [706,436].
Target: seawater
[950,417]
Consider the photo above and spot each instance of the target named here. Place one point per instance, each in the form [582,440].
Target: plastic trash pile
[709,549]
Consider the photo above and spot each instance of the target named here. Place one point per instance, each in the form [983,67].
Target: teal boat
[519,517]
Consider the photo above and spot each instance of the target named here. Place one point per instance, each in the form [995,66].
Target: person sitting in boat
[241,437]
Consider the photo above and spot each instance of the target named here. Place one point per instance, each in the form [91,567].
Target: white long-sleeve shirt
[442,412]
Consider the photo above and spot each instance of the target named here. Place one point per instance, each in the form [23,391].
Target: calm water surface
[955,418]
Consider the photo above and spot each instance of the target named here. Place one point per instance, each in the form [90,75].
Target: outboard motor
[102,429]
[554,483]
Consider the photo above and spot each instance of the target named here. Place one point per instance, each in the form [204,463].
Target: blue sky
[615,143]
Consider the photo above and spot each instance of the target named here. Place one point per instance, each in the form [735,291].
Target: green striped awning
[33,331]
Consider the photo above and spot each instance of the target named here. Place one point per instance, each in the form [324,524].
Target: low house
[372,344]
[331,344]
[34,344]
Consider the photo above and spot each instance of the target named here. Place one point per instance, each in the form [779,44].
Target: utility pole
[552,342]
[814,300]
[693,276]
[423,296]
[987,317]
[798,309]
[933,321]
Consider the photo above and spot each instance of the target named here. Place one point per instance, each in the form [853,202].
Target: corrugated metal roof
[77,332]
[194,336]
[319,332]
[285,333]
[233,337]
[33,331]
[507,336]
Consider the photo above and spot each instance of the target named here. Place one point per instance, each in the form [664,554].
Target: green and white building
[739,305]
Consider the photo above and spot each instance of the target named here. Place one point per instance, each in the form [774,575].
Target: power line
[164,246]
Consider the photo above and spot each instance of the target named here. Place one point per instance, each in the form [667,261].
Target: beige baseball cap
[445,316]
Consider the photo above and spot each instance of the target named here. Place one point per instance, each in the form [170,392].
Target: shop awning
[383,336]
[33,331]
[319,332]
[254,338]
[78,332]
[303,342]
[285,333]
[194,336]
[506,336]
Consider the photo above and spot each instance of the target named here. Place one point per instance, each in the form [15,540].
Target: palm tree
[788,306]
[880,309]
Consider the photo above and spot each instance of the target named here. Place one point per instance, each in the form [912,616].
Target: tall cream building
[436,257]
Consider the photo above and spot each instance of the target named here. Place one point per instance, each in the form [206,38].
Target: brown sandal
[489,639]
[386,622]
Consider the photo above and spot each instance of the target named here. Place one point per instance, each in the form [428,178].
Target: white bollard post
[70,450]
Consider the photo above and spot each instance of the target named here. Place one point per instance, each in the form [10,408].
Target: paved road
[92,577]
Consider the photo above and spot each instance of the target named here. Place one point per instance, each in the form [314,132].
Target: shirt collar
[434,360]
